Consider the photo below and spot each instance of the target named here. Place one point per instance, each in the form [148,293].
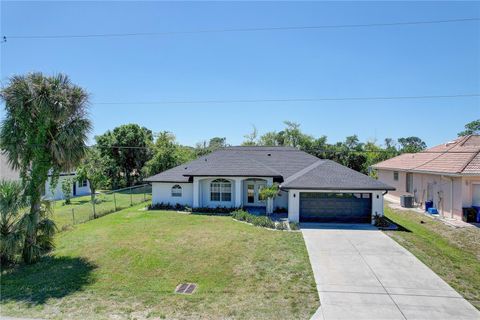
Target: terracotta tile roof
[459,156]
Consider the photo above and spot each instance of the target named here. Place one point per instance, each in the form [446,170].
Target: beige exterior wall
[449,194]
[386,176]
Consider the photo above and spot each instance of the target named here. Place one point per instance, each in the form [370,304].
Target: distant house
[311,189]
[79,188]
[448,175]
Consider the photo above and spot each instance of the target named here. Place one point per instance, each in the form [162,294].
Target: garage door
[335,207]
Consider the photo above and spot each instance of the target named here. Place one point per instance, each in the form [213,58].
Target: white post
[238,192]
[269,207]
[293,206]
[196,192]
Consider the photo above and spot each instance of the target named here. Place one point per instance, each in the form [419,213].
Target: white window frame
[83,183]
[224,189]
[176,191]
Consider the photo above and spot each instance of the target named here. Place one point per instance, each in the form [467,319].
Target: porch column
[238,192]
[196,192]
[269,208]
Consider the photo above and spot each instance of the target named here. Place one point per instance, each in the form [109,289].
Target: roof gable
[460,156]
[329,175]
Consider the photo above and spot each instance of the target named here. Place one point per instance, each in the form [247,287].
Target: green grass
[453,254]
[127,265]
[80,209]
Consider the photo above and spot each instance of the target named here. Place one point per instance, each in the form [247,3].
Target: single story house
[310,189]
[79,188]
[448,175]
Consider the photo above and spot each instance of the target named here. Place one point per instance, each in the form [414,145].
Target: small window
[82,183]
[176,191]
[395,175]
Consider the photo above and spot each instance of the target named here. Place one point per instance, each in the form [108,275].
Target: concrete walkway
[363,274]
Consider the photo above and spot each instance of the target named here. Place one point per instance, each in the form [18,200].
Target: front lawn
[453,254]
[127,265]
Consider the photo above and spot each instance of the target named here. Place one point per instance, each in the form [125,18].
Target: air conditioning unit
[406,201]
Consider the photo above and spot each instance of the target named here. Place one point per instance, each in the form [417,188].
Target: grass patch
[453,254]
[129,263]
[80,209]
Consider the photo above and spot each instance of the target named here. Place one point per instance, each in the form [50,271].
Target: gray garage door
[335,207]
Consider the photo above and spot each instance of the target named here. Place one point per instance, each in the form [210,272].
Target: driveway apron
[361,273]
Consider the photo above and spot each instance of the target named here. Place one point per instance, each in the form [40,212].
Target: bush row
[262,221]
[200,210]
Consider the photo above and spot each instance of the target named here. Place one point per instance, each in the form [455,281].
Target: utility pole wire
[213,101]
[165,33]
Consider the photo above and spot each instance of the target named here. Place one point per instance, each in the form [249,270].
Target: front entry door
[253,193]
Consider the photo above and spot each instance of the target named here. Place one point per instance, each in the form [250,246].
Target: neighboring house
[79,188]
[310,189]
[448,175]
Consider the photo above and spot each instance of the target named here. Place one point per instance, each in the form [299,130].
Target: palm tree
[44,131]
[12,201]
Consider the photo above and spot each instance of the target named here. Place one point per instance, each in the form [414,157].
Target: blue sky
[436,59]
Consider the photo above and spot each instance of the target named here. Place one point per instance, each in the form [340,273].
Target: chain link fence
[82,209]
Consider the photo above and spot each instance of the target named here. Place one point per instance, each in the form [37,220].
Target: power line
[213,101]
[328,150]
[165,33]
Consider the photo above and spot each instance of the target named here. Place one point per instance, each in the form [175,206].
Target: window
[250,193]
[82,183]
[395,175]
[220,190]
[176,191]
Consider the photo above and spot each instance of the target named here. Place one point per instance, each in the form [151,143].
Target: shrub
[294,226]
[260,221]
[67,185]
[221,211]
[381,221]
[280,225]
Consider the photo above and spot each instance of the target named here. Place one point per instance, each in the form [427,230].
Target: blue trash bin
[478,212]
[428,205]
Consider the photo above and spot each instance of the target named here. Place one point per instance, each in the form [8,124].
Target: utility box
[406,201]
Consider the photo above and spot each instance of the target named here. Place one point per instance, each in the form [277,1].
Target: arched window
[221,190]
[176,191]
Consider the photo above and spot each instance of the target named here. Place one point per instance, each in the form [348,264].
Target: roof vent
[186,288]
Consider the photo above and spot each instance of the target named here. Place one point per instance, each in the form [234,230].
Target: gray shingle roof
[296,168]
[279,162]
[329,175]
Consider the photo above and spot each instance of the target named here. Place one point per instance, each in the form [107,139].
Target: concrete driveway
[363,274]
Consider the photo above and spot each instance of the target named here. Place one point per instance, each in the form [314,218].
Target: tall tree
[93,168]
[411,145]
[471,128]
[251,138]
[164,156]
[45,129]
[130,147]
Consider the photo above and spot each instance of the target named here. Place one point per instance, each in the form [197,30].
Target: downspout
[451,195]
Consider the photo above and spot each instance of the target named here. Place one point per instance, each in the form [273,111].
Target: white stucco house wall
[79,188]
[310,189]
[447,174]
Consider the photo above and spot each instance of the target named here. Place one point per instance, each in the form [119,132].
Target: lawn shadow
[51,277]
[399,228]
